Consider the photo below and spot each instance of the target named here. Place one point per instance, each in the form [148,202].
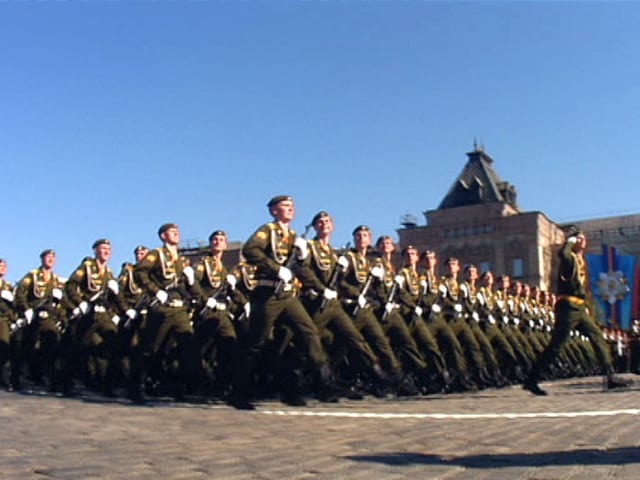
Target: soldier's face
[581,243]
[430,260]
[103,252]
[411,256]
[3,268]
[218,243]
[140,254]
[283,211]
[362,239]
[453,267]
[386,246]
[323,226]
[472,273]
[48,260]
[171,236]
[487,279]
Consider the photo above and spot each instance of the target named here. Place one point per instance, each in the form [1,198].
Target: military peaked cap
[360,227]
[216,232]
[100,241]
[279,198]
[140,247]
[318,216]
[166,226]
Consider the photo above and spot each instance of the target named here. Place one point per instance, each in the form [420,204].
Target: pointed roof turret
[478,183]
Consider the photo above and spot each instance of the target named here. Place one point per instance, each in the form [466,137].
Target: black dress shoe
[533,387]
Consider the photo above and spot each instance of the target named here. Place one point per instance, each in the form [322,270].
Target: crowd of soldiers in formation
[163,327]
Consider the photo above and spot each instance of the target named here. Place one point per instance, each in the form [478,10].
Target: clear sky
[116,117]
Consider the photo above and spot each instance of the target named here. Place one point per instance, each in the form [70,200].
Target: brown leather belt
[572,299]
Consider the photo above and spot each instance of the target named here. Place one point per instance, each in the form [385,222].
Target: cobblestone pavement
[578,432]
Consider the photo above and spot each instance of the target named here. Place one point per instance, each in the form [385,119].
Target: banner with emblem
[611,277]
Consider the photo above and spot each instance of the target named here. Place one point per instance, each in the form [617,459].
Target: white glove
[436,308]
[423,285]
[247,309]
[7,295]
[480,298]
[303,249]
[377,272]
[510,303]
[457,307]
[56,293]
[418,310]
[343,262]
[532,323]
[516,321]
[465,290]
[285,274]
[475,316]
[330,294]
[572,240]
[131,314]
[362,301]
[500,304]
[28,315]
[162,296]
[189,274]
[388,307]
[113,286]
[231,280]
[83,307]
[443,290]
[399,279]
[116,320]
[211,303]
[492,320]
[20,323]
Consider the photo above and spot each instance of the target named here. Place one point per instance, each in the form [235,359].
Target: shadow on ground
[614,456]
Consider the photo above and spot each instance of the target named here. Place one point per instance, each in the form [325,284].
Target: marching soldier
[451,299]
[214,330]
[136,302]
[411,298]
[167,278]
[320,276]
[490,322]
[572,312]
[469,292]
[438,325]
[92,295]
[7,318]
[38,303]
[275,250]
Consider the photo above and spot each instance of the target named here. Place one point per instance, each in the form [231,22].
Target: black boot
[613,382]
[531,384]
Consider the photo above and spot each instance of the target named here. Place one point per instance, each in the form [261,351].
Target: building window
[517,268]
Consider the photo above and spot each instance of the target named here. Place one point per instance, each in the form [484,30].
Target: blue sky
[119,116]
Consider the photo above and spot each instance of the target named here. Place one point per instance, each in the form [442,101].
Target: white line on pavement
[445,416]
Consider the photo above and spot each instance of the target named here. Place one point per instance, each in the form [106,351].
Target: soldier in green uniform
[504,303]
[38,303]
[357,296]
[7,318]
[490,322]
[410,297]
[385,290]
[451,300]
[572,312]
[320,276]
[92,297]
[136,302]
[438,325]
[275,250]
[214,330]
[469,296]
[167,278]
